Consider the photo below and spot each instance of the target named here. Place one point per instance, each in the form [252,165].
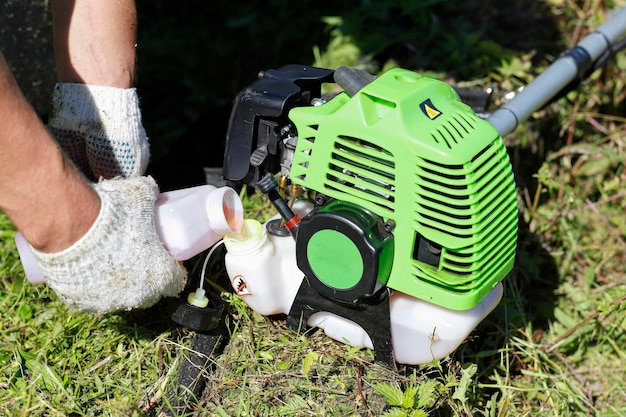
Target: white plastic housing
[263,270]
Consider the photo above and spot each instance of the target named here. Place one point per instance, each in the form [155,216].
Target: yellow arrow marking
[431,112]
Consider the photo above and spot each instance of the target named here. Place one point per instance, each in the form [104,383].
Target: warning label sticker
[240,286]
[429,109]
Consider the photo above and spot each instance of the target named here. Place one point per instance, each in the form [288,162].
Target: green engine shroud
[406,148]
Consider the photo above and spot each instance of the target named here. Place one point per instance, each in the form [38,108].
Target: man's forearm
[40,191]
[94,41]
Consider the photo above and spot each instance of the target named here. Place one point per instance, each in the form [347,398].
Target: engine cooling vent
[475,205]
[451,133]
[363,170]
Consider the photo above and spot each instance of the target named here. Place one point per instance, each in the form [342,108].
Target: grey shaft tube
[558,75]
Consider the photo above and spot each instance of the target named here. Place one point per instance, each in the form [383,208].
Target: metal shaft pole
[558,75]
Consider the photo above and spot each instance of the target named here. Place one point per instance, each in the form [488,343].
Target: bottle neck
[224,211]
[249,241]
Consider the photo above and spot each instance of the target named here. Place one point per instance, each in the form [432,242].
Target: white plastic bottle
[188,221]
[263,270]
[33,273]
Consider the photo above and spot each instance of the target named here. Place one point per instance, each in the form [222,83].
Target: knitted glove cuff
[101,128]
[119,264]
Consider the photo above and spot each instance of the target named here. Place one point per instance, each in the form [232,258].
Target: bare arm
[94,41]
[96,244]
[40,191]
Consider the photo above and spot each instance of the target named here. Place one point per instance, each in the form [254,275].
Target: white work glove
[100,129]
[120,264]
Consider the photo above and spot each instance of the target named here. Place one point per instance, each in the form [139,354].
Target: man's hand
[100,129]
[120,264]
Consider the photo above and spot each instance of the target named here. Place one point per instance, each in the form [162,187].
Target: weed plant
[556,344]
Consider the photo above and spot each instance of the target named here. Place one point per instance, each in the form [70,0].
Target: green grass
[56,363]
[556,344]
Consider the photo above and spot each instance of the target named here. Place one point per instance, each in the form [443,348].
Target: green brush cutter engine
[413,193]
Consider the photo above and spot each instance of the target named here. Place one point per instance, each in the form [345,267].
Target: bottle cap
[198,298]
[31,268]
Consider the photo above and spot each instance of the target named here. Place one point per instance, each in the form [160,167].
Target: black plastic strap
[581,58]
